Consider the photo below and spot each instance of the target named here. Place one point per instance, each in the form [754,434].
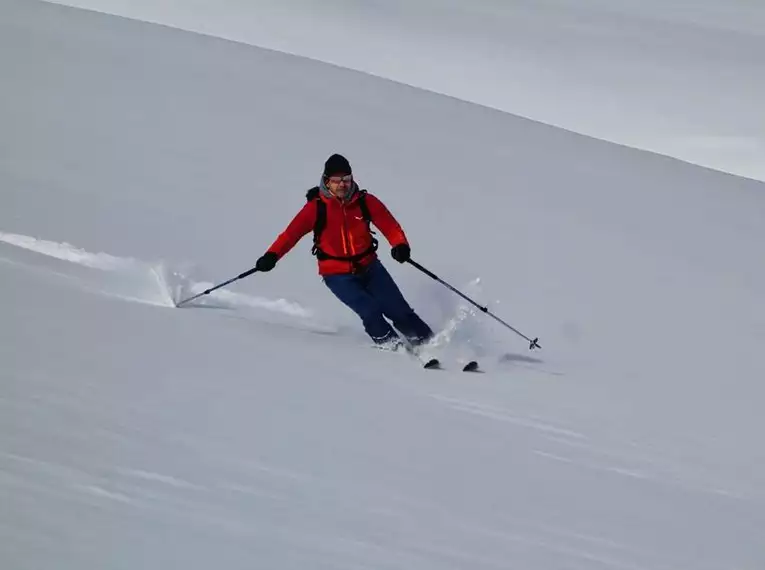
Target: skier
[339,213]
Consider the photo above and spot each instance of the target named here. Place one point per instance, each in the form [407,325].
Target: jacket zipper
[347,236]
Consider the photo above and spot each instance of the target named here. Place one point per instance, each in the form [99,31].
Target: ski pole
[211,289]
[533,343]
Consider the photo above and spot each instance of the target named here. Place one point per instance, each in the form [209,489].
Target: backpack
[321,223]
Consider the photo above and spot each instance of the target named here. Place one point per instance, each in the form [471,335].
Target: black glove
[267,261]
[401,253]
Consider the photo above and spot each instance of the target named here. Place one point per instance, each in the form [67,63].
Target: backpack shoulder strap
[321,215]
[364,207]
[312,194]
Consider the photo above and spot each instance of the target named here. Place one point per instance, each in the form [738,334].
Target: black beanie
[337,165]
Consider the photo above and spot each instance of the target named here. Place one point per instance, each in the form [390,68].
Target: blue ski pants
[373,295]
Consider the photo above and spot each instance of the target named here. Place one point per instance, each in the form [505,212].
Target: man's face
[339,185]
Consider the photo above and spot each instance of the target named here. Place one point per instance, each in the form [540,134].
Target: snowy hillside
[257,429]
[684,78]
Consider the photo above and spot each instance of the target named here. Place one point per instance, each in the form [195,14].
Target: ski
[435,364]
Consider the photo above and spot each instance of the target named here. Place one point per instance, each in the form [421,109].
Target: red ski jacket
[346,232]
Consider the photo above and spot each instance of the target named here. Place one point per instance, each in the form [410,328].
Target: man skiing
[339,213]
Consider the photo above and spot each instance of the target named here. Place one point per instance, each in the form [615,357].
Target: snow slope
[678,77]
[139,163]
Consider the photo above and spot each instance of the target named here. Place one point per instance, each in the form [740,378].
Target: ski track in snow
[140,281]
[159,285]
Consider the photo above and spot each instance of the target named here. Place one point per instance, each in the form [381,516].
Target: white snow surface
[141,163]
[684,78]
